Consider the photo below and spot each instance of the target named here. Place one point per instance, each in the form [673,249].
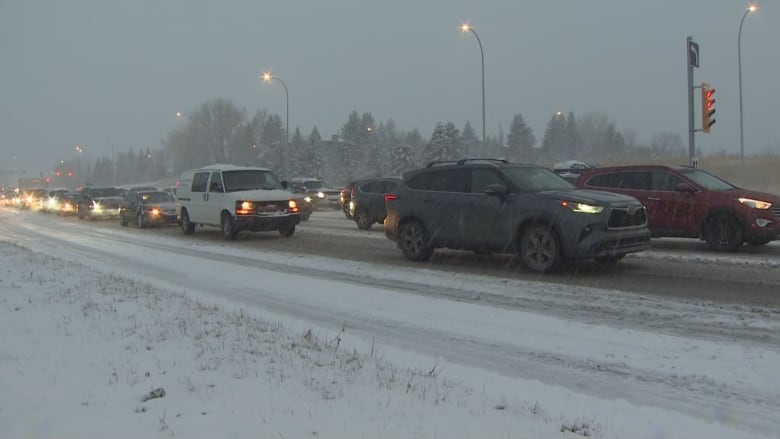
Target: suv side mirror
[285,184]
[684,188]
[498,190]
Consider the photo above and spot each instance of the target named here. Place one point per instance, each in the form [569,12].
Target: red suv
[687,202]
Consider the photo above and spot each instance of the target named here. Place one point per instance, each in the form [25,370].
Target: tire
[122,219]
[287,231]
[609,260]
[80,213]
[723,233]
[363,220]
[140,221]
[346,213]
[414,242]
[540,249]
[228,227]
[186,226]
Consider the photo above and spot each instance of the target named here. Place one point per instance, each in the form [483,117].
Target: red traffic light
[707,107]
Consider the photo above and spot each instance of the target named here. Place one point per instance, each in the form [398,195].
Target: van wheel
[414,242]
[287,231]
[186,226]
[723,233]
[362,220]
[228,227]
[540,250]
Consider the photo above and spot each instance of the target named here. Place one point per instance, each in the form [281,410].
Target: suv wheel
[539,248]
[362,220]
[723,233]
[228,227]
[346,213]
[414,242]
[186,226]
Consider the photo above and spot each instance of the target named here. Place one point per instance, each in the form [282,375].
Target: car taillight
[390,197]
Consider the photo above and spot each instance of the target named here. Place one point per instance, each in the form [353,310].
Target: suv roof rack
[461,162]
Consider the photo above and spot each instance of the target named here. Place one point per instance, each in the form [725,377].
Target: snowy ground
[84,344]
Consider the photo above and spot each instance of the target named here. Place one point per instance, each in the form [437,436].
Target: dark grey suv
[488,205]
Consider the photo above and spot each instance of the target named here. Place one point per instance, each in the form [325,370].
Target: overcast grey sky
[98,73]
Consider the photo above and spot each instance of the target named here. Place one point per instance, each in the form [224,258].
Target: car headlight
[293,205]
[96,206]
[755,204]
[245,207]
[307,199]
[582,207]
[154,211]
[320,194]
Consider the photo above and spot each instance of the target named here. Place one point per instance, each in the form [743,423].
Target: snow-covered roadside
[81,349]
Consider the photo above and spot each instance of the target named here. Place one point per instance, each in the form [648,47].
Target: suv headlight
[582,207]
[320,194]
[755,204]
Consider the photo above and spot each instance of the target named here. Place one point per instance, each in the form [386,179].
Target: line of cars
[481,205]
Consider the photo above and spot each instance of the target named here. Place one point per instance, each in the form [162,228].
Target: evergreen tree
[446,144]
[521,141]
[313,158]
[402,159]
[471,143]
[297,164]
[555,138]
[274,152]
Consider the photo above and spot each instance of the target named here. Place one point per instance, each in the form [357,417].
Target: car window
[664,181]
[373,187]
[451,180]
[156,197]
[482,178]
[636,180]
[199,181]
[215,184]
[707,180]
[389,186]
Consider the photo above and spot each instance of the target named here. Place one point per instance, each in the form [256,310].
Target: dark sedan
[148,208]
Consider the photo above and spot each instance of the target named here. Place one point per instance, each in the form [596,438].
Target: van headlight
[245,208]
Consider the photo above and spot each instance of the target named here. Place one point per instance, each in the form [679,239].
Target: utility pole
[692,60]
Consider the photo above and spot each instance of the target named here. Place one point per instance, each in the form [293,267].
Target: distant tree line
[219,132]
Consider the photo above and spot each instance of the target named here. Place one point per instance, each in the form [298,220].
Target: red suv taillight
[390,197]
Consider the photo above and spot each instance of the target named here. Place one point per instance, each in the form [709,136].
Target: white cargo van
[235,198]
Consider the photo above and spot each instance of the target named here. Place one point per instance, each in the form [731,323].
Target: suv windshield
[532,179]
[709,181]
[245,180]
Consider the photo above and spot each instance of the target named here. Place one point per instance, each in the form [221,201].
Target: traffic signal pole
[692,60]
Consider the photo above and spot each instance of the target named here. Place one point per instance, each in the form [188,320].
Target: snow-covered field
[84,345]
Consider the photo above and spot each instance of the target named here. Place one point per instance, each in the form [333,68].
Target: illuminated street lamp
[267,77]
[752,8]
[79,149]
[465,27]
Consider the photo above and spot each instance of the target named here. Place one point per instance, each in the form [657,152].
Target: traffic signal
[707,107]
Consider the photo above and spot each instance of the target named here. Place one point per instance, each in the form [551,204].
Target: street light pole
[267,76]
[749,9]
[467,28]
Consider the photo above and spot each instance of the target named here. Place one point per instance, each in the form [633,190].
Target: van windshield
[246,180]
